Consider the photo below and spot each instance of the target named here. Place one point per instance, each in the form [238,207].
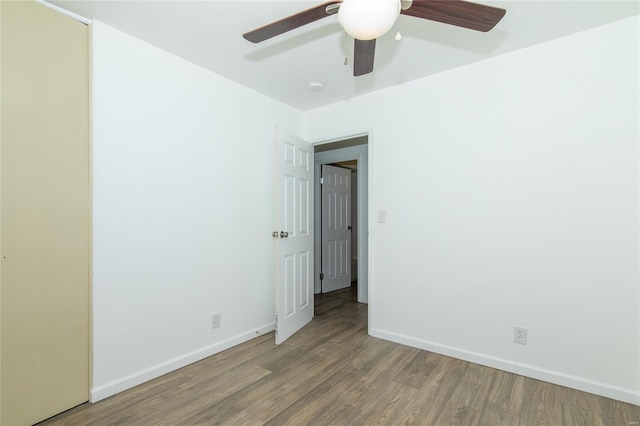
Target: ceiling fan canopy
[367,20]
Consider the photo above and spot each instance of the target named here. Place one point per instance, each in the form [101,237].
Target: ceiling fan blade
[460,13]
[363,54]
[292,22]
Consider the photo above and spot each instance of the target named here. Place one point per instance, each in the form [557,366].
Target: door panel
[294,241]
[336,235]
[45,213]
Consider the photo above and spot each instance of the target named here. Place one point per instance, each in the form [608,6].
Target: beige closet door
[45,213]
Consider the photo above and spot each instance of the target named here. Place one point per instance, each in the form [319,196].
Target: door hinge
[321,180]
[321,276]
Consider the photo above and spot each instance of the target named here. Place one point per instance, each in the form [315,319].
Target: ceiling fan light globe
[368,19]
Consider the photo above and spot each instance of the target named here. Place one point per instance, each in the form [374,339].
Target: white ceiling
[209,33]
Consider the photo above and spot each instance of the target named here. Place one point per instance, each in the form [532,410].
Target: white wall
[512,195]
[183,210]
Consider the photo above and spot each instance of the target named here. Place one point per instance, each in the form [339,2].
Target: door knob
[284,234]
[274,234]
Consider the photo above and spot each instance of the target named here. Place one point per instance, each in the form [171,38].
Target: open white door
[294,235]
[336,229]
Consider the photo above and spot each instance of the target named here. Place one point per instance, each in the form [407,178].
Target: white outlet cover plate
[520,335]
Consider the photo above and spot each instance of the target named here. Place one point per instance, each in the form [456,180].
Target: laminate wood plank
[616,412]
[201,395]
[437,391]
[354,336]
[343,299]
[542,405]
[385,402]
[363,394]
[337,413]
[379,376]
[339,358]
[504,400]
[580,408]
[297,385]
[372,390]
[123,406]
[260,390]
[231,357]
[326,393]
[169,406]
[416,410]
[321,335]
[469,396]
[385,405]
[281,357]
[417,371]
[371,352]
[244,418]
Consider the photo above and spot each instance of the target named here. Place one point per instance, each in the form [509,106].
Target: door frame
[361,154]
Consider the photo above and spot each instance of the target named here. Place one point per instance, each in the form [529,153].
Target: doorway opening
[348,154]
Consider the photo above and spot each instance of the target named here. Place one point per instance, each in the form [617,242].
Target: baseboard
[128,382]
[580,383]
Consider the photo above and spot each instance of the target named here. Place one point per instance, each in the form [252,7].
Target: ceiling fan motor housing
[368,19]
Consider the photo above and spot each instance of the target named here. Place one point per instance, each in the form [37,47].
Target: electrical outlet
[215,320]
[382,216]
[520,335]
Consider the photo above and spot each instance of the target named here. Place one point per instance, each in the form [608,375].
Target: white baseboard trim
[116,386]
[580,383]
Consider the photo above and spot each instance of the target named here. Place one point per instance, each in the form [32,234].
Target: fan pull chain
[398,36]
[346,45]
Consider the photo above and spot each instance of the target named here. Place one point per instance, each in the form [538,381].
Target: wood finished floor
[333,373]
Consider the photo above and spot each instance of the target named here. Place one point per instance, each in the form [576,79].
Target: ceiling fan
[366,20]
